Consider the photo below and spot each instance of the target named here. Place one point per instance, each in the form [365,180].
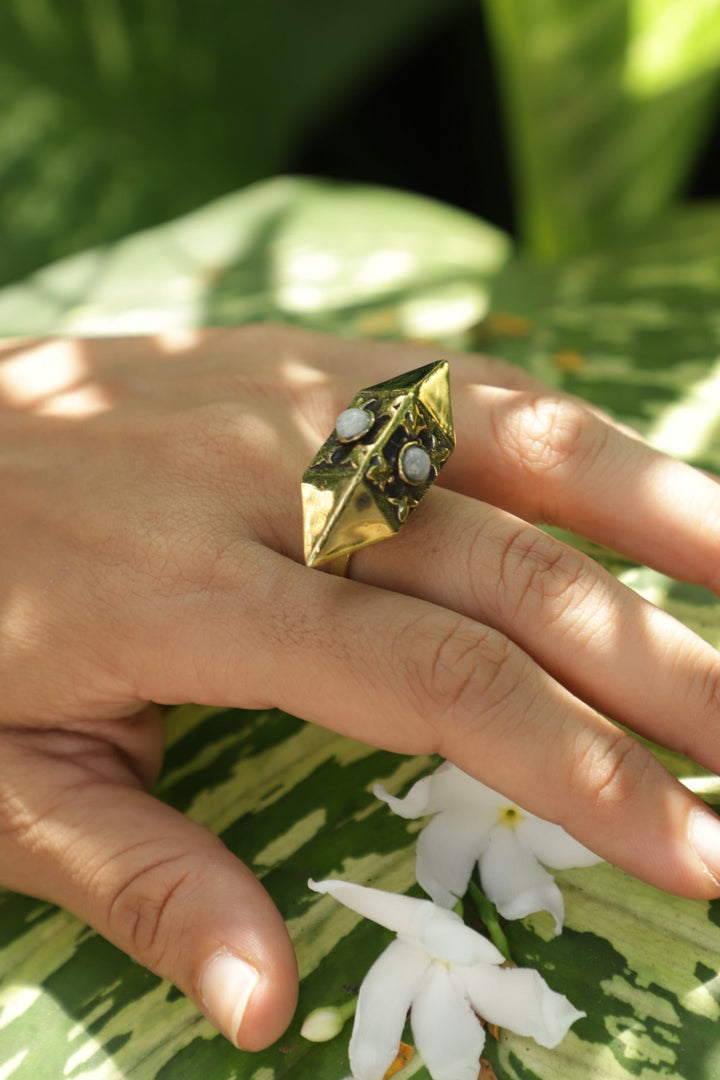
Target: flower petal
[386,994]
[448,1035]
[514,880]
[520,1000]
[452,942]
[448,788]
[447,850]
[553,846]
[440,932]
[405,915]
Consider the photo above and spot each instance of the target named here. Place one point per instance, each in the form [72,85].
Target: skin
[151,554]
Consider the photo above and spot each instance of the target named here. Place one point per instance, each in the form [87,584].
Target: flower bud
[322,1024]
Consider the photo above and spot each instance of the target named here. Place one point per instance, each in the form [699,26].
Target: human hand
[151,551]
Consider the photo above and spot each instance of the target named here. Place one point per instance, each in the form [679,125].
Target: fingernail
[226,987]
[704,837]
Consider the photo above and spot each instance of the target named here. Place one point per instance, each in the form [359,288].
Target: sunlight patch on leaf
[685,429]
[15,1000]
[444,311]
[672,42]
[9,1067]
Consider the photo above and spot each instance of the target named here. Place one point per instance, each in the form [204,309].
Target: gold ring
[385,452]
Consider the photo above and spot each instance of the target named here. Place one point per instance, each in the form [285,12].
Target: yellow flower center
[510,817]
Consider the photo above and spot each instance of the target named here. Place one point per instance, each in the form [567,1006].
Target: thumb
[80,832]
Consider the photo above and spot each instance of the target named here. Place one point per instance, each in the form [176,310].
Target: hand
[151,552]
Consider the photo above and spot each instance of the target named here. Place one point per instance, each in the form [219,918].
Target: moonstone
[352,423]
[415,464]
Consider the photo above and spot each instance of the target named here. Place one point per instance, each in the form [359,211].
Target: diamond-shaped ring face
[386,450]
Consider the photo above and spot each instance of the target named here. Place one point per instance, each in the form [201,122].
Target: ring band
[386,451]
[340,566]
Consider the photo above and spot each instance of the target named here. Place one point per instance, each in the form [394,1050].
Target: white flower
[448,976]
[472,823]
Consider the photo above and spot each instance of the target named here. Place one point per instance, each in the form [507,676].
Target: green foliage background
[115,117]
[118,114]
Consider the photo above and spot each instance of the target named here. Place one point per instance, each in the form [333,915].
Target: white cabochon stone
[352,423]
[415,464]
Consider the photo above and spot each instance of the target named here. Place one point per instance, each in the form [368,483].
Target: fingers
[608,645]
[548,458]
[413,677]
[77,830]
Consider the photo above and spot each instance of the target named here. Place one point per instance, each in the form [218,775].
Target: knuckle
[535,571]
[551,433]
[20,825]
[146,908]
[31,796]
[459,672]
[609,772]
[710,692]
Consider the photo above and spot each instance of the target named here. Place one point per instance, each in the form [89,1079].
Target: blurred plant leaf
[117,114]
[634,329]
[606,104]
[672,42]
[314,252]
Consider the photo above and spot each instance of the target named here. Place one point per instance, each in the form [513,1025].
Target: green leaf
[311,252]
[117,114]
[606,103]
[634,329]
[673,42]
